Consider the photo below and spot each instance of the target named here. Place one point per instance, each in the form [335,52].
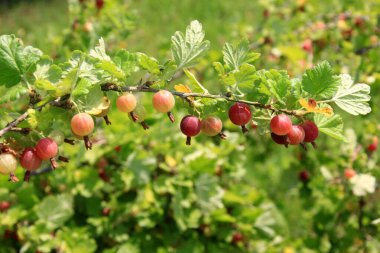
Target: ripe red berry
[304,176]
[126,102]
[190,126]
[296,135]
[99,4]
[8,163]
[349,173]
[373,146]
[163,101]
[106,211]
[29,159]
[82,124]
[311,131]
[240,114]
[46,149]
[280,139]
[211,126]
[307,45]
[237,237]
[4,206]
[281,124]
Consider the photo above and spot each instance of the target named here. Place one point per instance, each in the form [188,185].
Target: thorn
[188,140]
[144,125]
[171,117]
[106,119]
[133,116]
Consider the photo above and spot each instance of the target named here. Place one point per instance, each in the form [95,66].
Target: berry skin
[281,124]
[296,135]
[29,159]
[82,124]
[237,237]
[163,101]
[349,173]
[311,131]
[373,146]
[4,206]
[211,126]
[190,126]
[240,114]
[304,176]
[99,4]
[46,148]
[126,102]
[8,163]
[307,45]
[280,139]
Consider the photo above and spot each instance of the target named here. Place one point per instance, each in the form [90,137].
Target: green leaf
[320,81]
[55,210]
[76,240]
[196,85]
[82,88]
[12,93]
[209,193]
[279,84]
[99,52]
[352,98]
[187,48]
[127,62]
[148,63]
[332,126]
[15,59]
[245,77]
[235,55]
[128,248]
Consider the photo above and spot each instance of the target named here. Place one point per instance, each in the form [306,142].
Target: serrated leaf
[320,81]
[13,93]
[352,98]
[196,85]
[15,59]
[82,88]
[99,52]
[278,83]
[148,63]
[187,48]
[245,77]
[332,126]
[126,61]
[235,55]
[55,210]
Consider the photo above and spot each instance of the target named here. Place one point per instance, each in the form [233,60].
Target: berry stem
[222,136]
[13,178]
[133,116]
[107,120]
[188,140]
[244,129]
[63,159]
[69,141]
[87,142]
[144,125]
[53,163]
[27,176]
[171,117]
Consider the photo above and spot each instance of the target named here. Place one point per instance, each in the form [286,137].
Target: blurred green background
[154,194]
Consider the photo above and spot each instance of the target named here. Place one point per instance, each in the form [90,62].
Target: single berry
[349,173]
[82,124]
[29,159]
[106,211]
[296,135]
[281,124]
[311,131]
[373,146]
[126,103]
[307,46]
[240,114]
[4,206]
[304,176]
[8,164]
[46,149]
[190,126]
[211,126]
[280,139]
[163,101]
[99,4]
[237,237]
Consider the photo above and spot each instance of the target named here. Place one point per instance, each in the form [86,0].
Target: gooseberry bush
[66,103]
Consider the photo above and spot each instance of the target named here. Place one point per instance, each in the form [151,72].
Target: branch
[187,96]
[14,123]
